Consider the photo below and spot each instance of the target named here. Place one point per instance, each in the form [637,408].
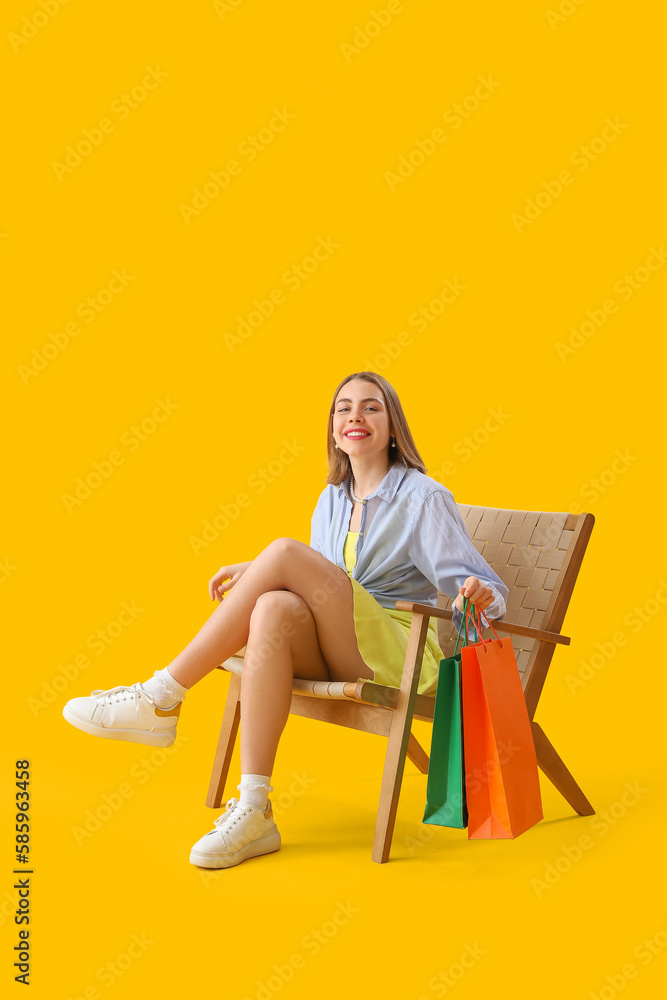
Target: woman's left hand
[476,592]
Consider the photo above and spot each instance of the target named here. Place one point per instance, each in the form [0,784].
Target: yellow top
[350,550]
[382,633]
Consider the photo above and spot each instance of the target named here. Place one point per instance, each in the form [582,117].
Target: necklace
[352,493]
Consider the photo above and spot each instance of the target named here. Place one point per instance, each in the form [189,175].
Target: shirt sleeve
[315,527]
[442,550]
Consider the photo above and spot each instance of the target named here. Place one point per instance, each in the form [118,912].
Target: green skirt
[382,639]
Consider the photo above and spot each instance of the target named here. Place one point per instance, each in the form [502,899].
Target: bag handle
[458,635]
[477,627]
[466,613]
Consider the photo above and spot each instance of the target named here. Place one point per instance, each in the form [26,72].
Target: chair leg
[556,771]
[397,746]
[417,755]
[398,741]
[226,741]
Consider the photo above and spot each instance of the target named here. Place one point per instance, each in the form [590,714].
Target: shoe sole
[264,845]
[157,738]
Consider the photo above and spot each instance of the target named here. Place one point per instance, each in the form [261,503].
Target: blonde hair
[405,452]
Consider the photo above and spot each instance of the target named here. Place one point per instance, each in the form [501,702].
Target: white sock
[164,689]
[255,790]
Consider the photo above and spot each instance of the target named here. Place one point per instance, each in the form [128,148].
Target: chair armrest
[500,626]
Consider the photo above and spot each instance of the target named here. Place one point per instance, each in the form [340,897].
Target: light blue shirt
[412,542]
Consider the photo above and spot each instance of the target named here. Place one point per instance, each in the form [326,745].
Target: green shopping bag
[445,788]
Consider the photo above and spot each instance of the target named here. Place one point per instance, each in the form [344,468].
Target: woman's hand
[231,574]
[476,592]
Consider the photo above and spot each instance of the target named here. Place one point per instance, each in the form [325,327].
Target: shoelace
[232,814]
[121,693]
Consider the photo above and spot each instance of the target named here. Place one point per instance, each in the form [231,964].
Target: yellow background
[67,573]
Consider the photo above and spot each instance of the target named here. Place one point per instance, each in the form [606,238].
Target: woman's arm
[442,550]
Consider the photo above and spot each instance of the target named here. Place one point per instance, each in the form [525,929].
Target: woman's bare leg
[282,644]
[293,609]
[288,565]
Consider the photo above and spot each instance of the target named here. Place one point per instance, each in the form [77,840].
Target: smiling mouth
[357,434]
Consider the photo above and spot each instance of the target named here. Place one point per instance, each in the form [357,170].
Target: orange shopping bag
[502,785]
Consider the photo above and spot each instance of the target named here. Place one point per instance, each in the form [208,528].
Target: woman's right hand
[230,574]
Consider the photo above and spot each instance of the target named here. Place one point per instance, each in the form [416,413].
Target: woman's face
[360,407]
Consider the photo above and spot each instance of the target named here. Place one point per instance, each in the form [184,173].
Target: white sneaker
[240,833]
[124,713]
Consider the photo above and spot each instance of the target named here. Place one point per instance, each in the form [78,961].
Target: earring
[335,445]
[393,442]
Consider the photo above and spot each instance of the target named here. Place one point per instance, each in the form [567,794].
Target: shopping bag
[445,786]
[502,784]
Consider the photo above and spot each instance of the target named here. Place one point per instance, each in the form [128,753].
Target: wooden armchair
[537,555]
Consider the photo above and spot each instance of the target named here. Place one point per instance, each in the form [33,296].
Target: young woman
[382,531]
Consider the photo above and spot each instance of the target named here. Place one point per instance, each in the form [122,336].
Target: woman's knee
[278,604]
[284,549]
[277,615]
[279,620]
